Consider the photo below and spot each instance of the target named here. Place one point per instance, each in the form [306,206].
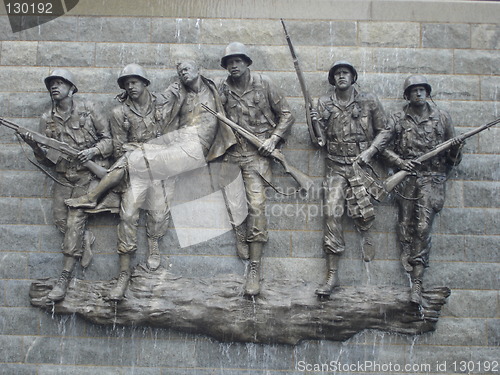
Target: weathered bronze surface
[285,312]
[416,130]
[252,101]
[82,127]
[355,126]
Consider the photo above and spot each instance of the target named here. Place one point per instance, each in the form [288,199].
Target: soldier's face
[188,73]
[418,96]
[59,89]
[236,66]
[343,78]
[134,87]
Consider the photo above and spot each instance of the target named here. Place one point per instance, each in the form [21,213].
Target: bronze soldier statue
[182,112]
[81,126]
[252,101]
[355,129]
[134,121]
[189,138]
[417,129]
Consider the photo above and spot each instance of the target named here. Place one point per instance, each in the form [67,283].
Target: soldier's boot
[331,276]
[89,200]
[154,257]
[242,248]
[81,202]
[416,284]
[252,284]
[118,291]
[367,246]
[59,291]
[88,240]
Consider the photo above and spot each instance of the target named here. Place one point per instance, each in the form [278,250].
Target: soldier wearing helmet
[355,126]
[417,129]
[254,102]
[134,121]
[82,126]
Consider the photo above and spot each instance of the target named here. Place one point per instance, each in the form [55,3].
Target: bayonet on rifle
[303,180]
[315,130]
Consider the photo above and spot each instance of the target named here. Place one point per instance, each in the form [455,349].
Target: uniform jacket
[412,138]
[128,125]
[86,127]
[262,108]
[174,98]
[352,128]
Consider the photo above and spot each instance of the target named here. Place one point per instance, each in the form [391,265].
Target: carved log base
[285,312]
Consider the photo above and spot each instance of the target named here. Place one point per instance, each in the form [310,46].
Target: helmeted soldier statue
[417,129]
[252,101]
[189,138]
[135,121]
[355,127]
[80,125]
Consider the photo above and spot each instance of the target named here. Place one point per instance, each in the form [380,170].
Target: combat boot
[154,257]
[59,291]
[118,292]
[331,276]
[252,284]
[416,284]
[416,292]
[81,202]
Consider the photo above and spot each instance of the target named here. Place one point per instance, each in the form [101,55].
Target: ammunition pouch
[359,202]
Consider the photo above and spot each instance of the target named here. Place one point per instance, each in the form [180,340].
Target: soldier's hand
[457,141]
[410,165]
[269,145]
[314,114]
[366,156]
[28,138]
[88,154]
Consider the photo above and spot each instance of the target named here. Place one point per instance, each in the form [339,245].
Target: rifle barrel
[9,124]
[304,181]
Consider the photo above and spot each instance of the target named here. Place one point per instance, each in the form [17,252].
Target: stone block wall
[455,44]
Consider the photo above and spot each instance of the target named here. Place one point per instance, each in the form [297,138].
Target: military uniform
[350,128]
[421,196]
[130,126]
[182,110]
[263,111]
[84,128]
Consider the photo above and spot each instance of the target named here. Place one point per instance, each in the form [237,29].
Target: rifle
[56,145]
[391,182]
[303,180]
[315,131]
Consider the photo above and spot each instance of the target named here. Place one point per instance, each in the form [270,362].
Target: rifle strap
[46,172]
[276,189]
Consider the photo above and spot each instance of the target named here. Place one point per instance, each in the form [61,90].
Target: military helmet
[132,70]
[338,64]
[235,49]
[64,74]
[415,80]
